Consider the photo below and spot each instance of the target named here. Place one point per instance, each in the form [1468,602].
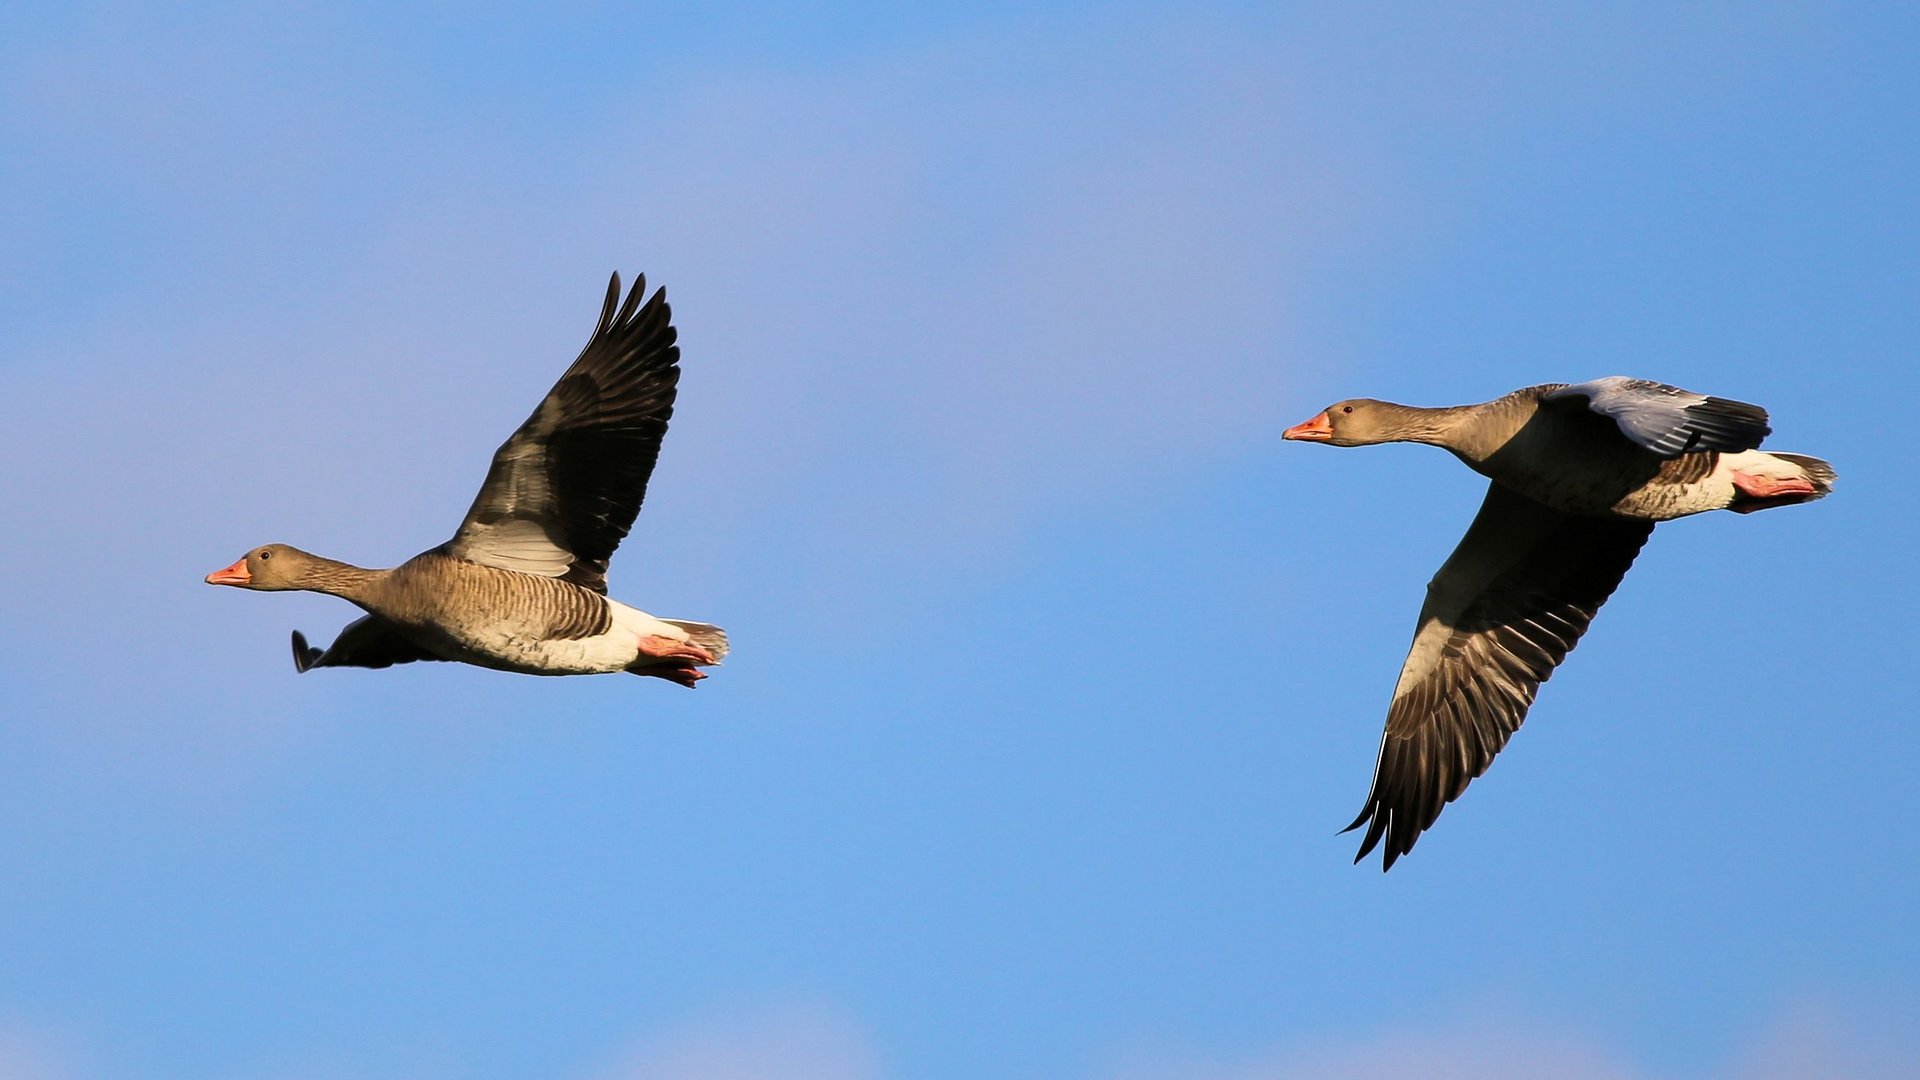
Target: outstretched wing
[564,490]
[369,641]
[1504,610]
[1666,419]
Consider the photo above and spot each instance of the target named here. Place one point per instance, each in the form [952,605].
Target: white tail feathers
[706,635]
[1757,480]
[1777,466]
[1818,473]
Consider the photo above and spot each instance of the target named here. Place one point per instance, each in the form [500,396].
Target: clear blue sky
[1055,669]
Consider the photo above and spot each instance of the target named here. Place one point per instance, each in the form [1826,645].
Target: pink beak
[232,575]
[1318,429]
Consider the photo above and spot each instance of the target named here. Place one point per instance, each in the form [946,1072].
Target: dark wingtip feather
[634,296]
[612,302]
[1375,818]
[1359,821]
[1724,424]
[303,654]
[1741,411]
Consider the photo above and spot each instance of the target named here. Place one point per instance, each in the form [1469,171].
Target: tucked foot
[685,676]
[660,647]
[1771,487]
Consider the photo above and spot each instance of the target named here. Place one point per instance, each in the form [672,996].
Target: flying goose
[522,585]
[1579,474]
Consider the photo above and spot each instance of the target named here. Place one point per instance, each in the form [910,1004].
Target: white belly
[1664,501]
[506,648]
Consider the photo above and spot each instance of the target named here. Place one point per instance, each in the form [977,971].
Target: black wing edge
[367,642]
[616,316]
[304,655]
[1725,424]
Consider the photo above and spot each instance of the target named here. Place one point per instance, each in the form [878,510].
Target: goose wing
[369,641]
[1503,611]
[565,488]
[1666,419]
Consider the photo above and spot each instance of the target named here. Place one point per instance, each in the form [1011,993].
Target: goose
[522,585]
[1579,476]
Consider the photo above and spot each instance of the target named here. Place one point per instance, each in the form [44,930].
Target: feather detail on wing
[566,487]
[1666,419]
[1503,611]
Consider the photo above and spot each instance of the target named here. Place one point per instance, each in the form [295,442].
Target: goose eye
[1347,408]
[266,554]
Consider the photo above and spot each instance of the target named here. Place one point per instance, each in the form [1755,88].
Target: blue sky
[1055,670]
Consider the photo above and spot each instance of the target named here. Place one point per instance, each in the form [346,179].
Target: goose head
[270,568]
[1354,422]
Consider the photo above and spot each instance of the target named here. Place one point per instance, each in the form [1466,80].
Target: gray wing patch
[520,544]
[1666,419]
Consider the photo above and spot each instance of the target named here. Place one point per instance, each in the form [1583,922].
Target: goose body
[1580,474]
[522,585]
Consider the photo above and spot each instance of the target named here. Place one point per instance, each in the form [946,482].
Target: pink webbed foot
[667,658]
[1770,487]
[660,647]
[685,676]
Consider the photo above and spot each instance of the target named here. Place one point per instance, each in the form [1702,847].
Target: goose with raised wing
[522,585]
[1579,476]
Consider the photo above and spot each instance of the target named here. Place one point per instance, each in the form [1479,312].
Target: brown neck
[1441,427]
[337,579]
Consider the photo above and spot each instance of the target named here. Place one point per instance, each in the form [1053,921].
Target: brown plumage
[1580,475]
[522,584]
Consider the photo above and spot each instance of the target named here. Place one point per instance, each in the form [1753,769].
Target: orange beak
[232,575]
[1318,429]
